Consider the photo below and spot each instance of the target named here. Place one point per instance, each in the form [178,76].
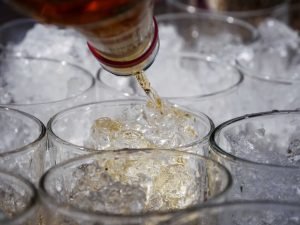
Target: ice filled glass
[204,33]
[130,186]
[18,201]
[271,69]
[121,124]
[42,87]
[27,37]
[22,144]
[262,153]
[199,82]
[242,213]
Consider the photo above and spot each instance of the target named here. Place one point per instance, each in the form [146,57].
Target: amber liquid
[106,24]
[150,92]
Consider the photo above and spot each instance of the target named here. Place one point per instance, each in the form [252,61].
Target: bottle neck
[139,63]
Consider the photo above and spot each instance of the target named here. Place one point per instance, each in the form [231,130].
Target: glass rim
[36,141]
[71,210]
[57,116]
[84,71]
[240,14]
[201,57]
[207,120]
[32,205]
[265,78]
[230,20]
[213,145]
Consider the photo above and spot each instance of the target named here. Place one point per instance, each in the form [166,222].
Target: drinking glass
[27,37]
[22,144]
[124,124]
[209,34]
[251,11]
[272,77]
[203,84]
[130,186]
[18,201]
[242,213]
[42,87]
[262,153]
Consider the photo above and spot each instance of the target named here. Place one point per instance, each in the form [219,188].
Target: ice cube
[253,143]
[272,30]
[294,151]
[113,197]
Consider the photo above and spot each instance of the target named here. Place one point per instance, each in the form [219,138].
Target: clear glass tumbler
[18,201]
[130,187]
[253,12]
[262,153]
[124,124]
[43,87]
[272,77]
[242,213]
[204,33]
[22,144]
[26,37]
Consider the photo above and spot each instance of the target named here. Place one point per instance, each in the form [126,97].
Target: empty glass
[253,12]
[42,87]
[124,124]
[18,201]
[242,213]
[22,144]
[130,187]
[262,153]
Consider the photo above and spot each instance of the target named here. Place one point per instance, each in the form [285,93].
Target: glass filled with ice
[199,82]
[43,87]
[204,33]
[271,69]
[130,186]
[18,201]
[119,124]
[262,153]
[242,213]
[22,144]
[27,37]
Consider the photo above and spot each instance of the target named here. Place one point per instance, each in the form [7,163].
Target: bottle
[121,34]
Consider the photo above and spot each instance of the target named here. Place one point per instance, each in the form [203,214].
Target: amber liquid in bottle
[120,29]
